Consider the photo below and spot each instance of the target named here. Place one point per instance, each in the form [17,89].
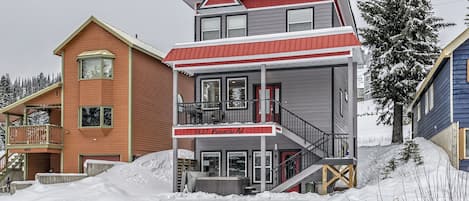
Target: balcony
[44,138]
[226,112]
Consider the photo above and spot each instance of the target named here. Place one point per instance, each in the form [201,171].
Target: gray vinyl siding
[306,92]
[438,118]
[340,83]
[460,85]
[271,21]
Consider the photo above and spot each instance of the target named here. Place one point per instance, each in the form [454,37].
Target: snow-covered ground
[369,133]
[148,178]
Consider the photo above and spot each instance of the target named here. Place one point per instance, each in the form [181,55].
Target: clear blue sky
[31,29]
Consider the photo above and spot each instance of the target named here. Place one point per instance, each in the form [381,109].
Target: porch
[289,93]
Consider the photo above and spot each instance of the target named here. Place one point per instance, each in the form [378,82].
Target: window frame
[228,79]
[101,75]
[431,102]
[268,180]
[296,9]
[245,162]
[219,160]
[227,31]
[202,29]
[202,93]
[101,116]
[427,101]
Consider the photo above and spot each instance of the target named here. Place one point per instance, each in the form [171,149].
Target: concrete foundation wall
[448,140]
[56,178]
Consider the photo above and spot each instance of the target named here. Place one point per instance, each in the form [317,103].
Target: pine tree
[5,91]
[402,36]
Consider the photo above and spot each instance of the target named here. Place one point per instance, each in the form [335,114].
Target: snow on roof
[126,38]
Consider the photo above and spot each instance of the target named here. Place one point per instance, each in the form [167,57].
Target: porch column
[25,116]
[352,104]
[175,121]
[263,110]
[7,131]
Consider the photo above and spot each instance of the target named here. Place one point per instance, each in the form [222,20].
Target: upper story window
[96,117]
[211,28]
[300,19]
[236,26]
[96,65]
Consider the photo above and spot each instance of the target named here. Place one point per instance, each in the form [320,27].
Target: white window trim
[202,93]
[245,162]
[431,97]
[202,160]
[299,22]
[228,24]
[228,94]
[427,101]
[267,166]
[419,111]
[202,27]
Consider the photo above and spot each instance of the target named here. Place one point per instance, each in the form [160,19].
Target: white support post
[351,90]
[263,97]
[175,119]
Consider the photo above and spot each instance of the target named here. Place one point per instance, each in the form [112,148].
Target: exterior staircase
[8,163]
[317,146]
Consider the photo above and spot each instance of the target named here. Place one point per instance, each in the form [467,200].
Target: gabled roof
[445,54]
[124,37]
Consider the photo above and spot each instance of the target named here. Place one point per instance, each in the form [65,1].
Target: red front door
[272,94]
[290,168]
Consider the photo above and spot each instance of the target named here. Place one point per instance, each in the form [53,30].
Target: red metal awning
[265,48]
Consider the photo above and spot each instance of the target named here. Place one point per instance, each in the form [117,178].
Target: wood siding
[305,92]
[78,93]
[438,118]
[461,86]
[152,101]
[271,21]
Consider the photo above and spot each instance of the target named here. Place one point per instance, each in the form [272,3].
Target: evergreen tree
[402,36]
[5,91]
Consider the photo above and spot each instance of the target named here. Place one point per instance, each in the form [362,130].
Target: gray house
[275,92]
[440,108]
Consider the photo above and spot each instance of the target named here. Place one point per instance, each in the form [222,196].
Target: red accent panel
[267,3]
[264,60]
[222,131]
[258,48]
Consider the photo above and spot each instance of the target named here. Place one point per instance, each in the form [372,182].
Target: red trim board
[225,131]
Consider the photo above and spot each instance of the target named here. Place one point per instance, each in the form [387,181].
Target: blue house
[441,105]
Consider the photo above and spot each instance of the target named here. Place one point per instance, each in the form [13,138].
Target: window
[257,167]
[426,102]
[96,68]
[211,94]
[236,26]
[467,143]
[431,98]
[96,117]
[236,93]
[300,19]
[210,28]
[211,163]
[419,112]
[237,164]
[180,101]
[341,103]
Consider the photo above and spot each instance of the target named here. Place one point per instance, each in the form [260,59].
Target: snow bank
[147,176]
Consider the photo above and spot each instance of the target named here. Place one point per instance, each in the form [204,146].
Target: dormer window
[96,65]
[300,19]
[211,28]
[236,26]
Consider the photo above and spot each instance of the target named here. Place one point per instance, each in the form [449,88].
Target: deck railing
[35,134]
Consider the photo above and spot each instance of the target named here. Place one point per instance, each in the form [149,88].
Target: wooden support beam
[346,174]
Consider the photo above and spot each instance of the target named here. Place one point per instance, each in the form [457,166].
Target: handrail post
[48,134]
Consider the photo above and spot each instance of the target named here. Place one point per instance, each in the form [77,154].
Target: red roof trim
[267,3]
[308,56]
[336,4]
[264,47]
